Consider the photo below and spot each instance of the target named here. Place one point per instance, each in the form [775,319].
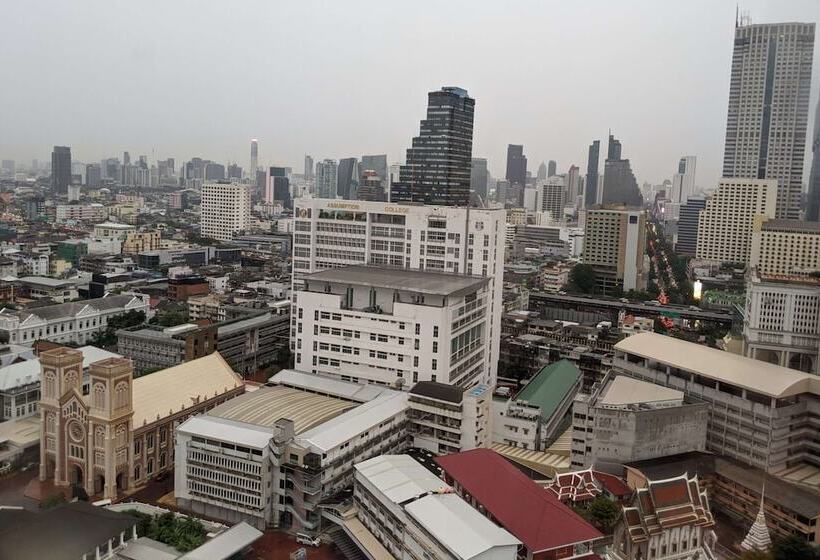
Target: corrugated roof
[360,392]
[225,544]
[229,431]
[399,477]
[528,511]
[623,390]
[550,387]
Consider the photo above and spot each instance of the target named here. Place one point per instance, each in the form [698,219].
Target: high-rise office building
[573,181]
[60,169]
[234,171]
[813,209]
[614,245]
[347,178]
[325,185]
[479,177]
[683,182]
[126,158]
[308,173]
[93,175]
[254,158]
[551,196]
[8,167]
[591,183]
[542,172]
[277,187]
[214,171]
[768,108]
[437,169]
[377,163]
[620,185]
[225,210]
[726,224]
[687,239]
[552,168]
[517,169]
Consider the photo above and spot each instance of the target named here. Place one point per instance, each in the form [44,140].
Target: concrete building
[60,169]
[447,419]
[614,245]
[394,327]
[726,224]
[112,230]
[141,241]
[330,234]
[625,419]
[326,177]
[413,515]
[271,457]
[551,196]
[81,213]
[152,348]
[785,247]
[120,434]
[225,210]
[42,287]
[686,242]
[768,108]
[683,182]
[253,343]
[753,405]
[76,322]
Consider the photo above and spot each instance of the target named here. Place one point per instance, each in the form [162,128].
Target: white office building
[683,182]
[225,210]
[394,327]
[552,197]
[615,246]
[335,233]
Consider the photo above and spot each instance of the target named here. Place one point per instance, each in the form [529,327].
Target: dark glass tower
[516,167]
[347,178]
[438,165]
[620,185]
[60,169]
[591,184]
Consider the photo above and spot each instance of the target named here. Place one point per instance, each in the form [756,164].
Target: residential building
[547,529]
[620,185]
[614,245]
[768,108]
[407,509]
[479,177]
[309,167]
[753,405]
[112,230]
[254,158]
[287,447]
[180,288]
[785,247]
[686,242]
[225,210]
[516,167]
[81,213]
[330,234]
[152,348]
[437,169]
[447,419]
[60,169]
[394,326]
[625,419]
[42,287]
[141,241]
[76,322]
[553,277]
[121,433]
[683,182]
[551,196]
[326,173]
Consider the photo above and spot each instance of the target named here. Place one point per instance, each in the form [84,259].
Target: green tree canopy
[792,548]
[582,279]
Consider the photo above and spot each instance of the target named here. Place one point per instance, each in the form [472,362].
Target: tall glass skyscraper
[438,165]
[591,183]
[60,169]
[768,108]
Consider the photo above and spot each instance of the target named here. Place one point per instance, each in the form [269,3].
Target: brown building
[120,435]
[180,289]
[155,347]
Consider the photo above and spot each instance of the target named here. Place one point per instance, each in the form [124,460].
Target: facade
[591,183]
[81,213]
[60,169]
[670,520]
[726,224]
[121,433]
[140,241]
[347,178]
[785,247]
[620,185]
[813,207]
[516,167]
[225,210]
[551,196]
[625,419]
[326,176]
[614,245]
[329,234]
[270,457]
[768,108]
[437,169]
[479,177]
[393,326]
[76,322]
[277,187]
[109,230]
[413,515]
[686,242]
[753,404]
[159,348]
[447,419]
[253,343]
[254,158]
[683,182]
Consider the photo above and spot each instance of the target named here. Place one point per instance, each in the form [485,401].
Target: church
[120,434]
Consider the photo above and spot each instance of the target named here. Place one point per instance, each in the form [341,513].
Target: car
[304,538]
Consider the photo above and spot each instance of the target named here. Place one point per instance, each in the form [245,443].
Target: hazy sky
[345,78]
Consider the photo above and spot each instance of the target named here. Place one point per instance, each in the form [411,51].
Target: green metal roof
[550,386]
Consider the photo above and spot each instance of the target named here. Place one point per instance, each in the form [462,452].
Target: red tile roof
[534,515]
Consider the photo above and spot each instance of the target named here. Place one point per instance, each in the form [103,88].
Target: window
[150,442]
[435,364]
[435,331]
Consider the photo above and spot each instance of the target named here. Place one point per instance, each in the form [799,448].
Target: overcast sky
[344,78]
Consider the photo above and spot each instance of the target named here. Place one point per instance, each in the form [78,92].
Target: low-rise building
[253,342]
[180,288]
[553,277]
[42,287]
[113,230]
[81,213]
[140,241]
[447,419]
[152,348]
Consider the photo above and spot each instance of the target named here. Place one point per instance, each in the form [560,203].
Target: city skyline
[177,118]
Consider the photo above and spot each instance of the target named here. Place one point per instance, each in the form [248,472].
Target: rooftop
[418,281]
[754,375]
[438,391]
[529,512]
[550,387]
[67,310]
[28,371]
[360,392]
[399,477]
[623,390]
[45,281]
[791,225]
[229,431]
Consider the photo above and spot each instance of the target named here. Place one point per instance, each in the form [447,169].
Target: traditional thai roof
[580,486]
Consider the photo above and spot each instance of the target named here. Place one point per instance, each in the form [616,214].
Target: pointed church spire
[758,537]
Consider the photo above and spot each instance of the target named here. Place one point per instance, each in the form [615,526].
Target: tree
[53,500]
[792,548]
[603,513]
[582,279]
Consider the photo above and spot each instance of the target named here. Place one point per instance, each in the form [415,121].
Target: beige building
[726,224]
[225,210]
[614,245]
[139,241]
[785,247]
[120,435]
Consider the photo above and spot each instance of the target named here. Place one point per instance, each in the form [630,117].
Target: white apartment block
[225,210]
[334,233]
[447,419]
[552,197]
[726,224]
[614,245]
[81,213]
[394,327]
[785,247]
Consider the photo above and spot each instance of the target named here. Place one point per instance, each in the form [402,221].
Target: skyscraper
[438,164]
[768,108]
[325,185]
[277,187]
[683,182]
[479,177]
[552,168]
[60,169]
[254,158]
[591,188]
[620,185]
[93,175]
[225,210]
[308,167]
[347,178]
[573,182]
[377,163]
[813,210]
[542,172]
[517,169]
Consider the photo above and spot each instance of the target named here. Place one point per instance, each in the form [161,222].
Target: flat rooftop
[791,225]
[754,375]
[399,477]
[622,391]
[418,281]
